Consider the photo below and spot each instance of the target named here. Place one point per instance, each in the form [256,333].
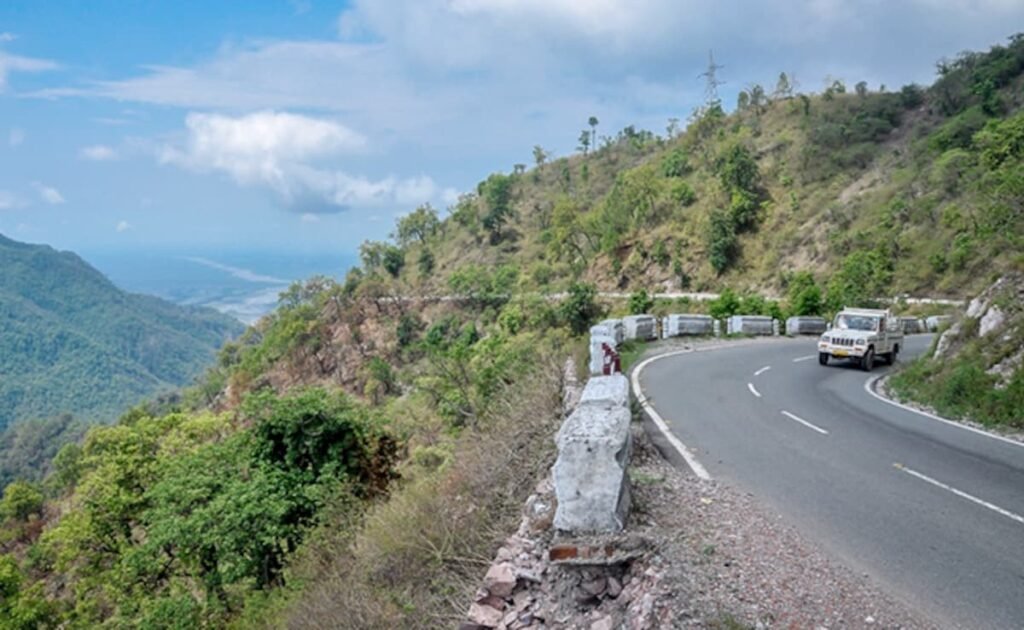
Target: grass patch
[962,389]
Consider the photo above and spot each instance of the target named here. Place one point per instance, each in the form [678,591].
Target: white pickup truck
[862,334]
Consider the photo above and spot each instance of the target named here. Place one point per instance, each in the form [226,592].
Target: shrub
[640,303]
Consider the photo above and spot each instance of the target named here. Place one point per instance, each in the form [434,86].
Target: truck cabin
[847,321]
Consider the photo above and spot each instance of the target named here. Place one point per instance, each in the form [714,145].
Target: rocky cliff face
[992,328]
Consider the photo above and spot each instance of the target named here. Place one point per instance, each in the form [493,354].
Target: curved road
[932,511]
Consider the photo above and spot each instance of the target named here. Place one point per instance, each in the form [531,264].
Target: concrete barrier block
[618,331]
[749,325]
[687,324]
[612,391]
[806,325]
[642,327]
[589,475]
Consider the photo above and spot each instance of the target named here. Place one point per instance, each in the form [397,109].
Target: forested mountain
[354,459]
[72,342]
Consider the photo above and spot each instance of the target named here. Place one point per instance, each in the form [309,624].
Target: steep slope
[976,369]
[903,191]
[70,341]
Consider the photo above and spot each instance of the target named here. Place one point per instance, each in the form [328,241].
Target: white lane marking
[807,358]
[691,460]
[753,391]
[869,387]
[961,493]
[805,423]
[762,370]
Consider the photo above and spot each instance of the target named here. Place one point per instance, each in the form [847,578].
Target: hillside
[914,191]
[356,457]
[70,341]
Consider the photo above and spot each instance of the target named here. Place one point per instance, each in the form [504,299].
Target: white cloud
[122,226]
[15,137]
[308,217]
[98,153]
[7,37]
[14,63]
[280,151]
[48,194]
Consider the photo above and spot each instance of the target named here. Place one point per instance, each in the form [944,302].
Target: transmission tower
[710,77]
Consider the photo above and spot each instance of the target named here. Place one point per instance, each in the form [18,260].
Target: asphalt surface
[934,513]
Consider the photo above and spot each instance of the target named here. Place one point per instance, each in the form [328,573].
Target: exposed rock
[500,580]
[946,340]
[485,616]
[614,588]
[992,320]
[604,623]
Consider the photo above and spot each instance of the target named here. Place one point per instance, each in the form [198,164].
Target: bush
[675,164]
[640,303]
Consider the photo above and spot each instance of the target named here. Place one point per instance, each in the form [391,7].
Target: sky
[310,126]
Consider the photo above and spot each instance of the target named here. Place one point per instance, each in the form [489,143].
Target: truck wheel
[868,361]
[823,358]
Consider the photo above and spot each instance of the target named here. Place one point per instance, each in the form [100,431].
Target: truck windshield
[856,322]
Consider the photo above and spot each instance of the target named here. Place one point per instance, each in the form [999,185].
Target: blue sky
[309,126]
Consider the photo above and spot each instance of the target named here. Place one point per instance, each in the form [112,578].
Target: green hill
[914,190]
[70,341]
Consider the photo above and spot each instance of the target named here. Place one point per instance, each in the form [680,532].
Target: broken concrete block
[591,484]
[611,390]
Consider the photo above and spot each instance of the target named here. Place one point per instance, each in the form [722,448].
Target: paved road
[933,512]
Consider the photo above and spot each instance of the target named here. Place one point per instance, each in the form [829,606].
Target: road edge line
[869,387]
[683,450]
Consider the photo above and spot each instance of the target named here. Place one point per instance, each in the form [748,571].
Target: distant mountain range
[71,341]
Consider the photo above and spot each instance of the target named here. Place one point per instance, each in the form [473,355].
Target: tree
[394,260]
[580,308]
[21,500]
[783,89]
[758,99]
[804,295]
[861,88]
[721,240]
[425,262]
[592,121]
[496,191]
[539,155]
[672,130]
[584,145]
[743,100]
[725,305]
[418,225]
[371,253]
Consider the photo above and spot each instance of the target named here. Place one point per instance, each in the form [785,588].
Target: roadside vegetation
[353,459]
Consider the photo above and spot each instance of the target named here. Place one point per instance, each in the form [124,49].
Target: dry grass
[418,558]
